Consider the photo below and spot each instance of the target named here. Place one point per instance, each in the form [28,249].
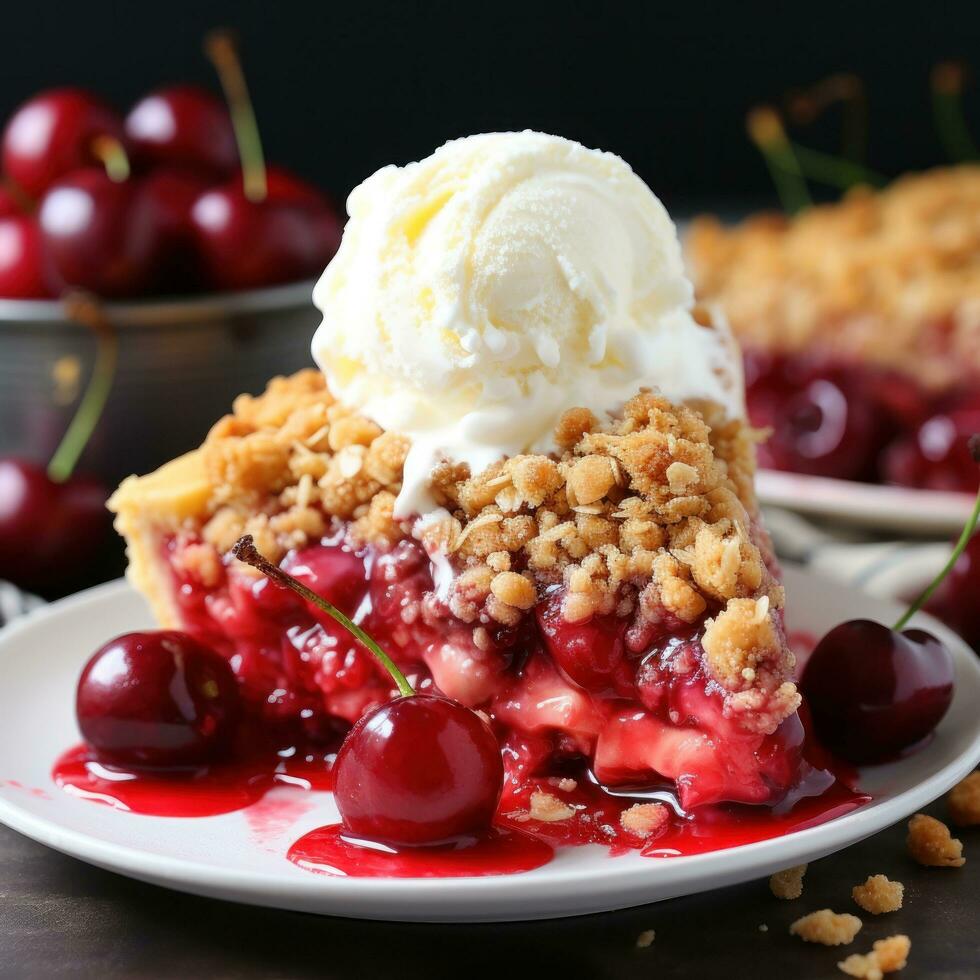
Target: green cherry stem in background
[221,48]
[86,311]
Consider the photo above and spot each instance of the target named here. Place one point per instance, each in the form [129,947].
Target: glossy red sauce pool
[203,792]
[519,842]
[504,851]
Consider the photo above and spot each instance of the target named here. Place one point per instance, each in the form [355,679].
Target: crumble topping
[886,956]
[930,843]
[888,276]
[964,801]
[827,927]
[878,895]
[788,884]
[650,517]
[645,819]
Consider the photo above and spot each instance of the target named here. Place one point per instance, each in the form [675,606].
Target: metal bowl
[181,362]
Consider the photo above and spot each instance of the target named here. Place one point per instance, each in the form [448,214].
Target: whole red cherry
[182,127]
[21,263]
[418,770]
[936,455]
[289,235]
[874,692]
[830,426]
[157,699]
[52,134]
[49,532]
[164,201]
[99,234]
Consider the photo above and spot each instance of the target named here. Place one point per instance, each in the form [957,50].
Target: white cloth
[15,603]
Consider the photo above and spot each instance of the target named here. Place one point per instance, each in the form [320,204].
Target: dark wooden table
[62,918]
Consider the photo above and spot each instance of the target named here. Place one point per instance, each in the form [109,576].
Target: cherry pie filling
[592,717]
[856,422]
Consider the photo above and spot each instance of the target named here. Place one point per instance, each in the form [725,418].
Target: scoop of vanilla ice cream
[481,292]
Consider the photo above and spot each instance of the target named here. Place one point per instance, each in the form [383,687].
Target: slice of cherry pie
[614,608]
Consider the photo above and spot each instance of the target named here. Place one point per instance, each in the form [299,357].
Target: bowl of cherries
[200,258]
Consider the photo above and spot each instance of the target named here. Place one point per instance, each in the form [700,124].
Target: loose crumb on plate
[964,801]
[645,819]
[827,927]
[930,843]
[788,883]
[879,894]
[887,956]
[645,938]
[547,808]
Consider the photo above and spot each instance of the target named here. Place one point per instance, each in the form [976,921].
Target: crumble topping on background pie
[889,277]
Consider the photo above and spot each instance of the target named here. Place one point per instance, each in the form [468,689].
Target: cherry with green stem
[874,691]
[419,770]
[264,225]
[53,522]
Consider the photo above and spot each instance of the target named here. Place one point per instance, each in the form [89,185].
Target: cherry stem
[87,311]
[245,551]
[112,154]
[221,48]
[835,171]
[947,111]
[766,131]
[964,539]
[846,89]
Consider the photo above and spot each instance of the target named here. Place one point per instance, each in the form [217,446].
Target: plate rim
[264,888]
[860,504]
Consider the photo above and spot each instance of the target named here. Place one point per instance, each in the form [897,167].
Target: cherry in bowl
[182,127]
[54,133]
[157,699]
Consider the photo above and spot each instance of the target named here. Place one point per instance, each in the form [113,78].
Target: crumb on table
[930,843]
[879,894]
[887,956]
[964,801]
[788,883]
[827,927]
[645,938]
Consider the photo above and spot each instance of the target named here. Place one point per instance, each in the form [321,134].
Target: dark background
[342,88]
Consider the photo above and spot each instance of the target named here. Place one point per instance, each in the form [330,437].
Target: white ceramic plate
[240,856]
[866,505]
